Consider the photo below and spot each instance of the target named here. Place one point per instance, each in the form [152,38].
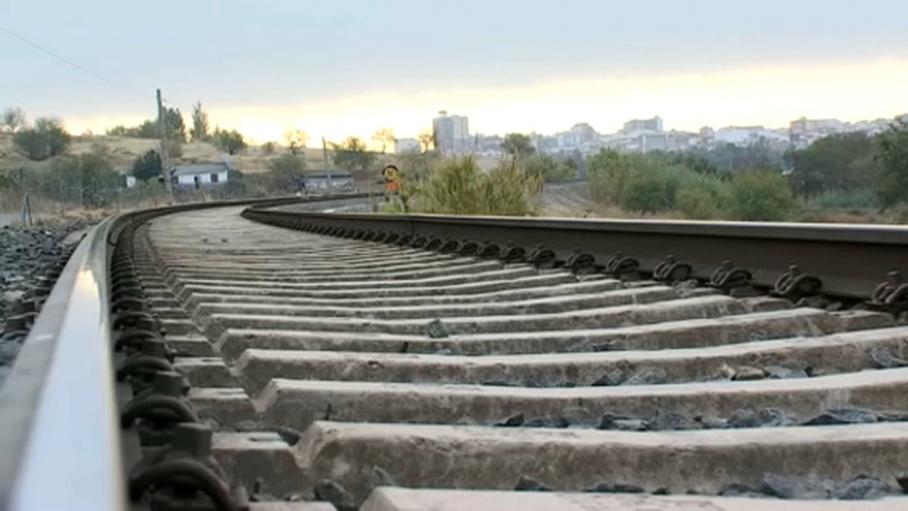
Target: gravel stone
[785,372]
[863,487]
[842,416]
[27,254]
[436,330]
[529,484]
[884,359]
[797,488]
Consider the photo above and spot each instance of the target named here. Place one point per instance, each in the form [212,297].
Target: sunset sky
[349,68]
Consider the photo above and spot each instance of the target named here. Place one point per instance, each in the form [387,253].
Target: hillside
[122,151]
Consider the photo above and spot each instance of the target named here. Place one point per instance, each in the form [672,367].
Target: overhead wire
[67,61]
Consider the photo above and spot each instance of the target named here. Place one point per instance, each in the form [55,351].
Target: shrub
[287,170]
[453,187]
[46,139]
[458,186]
[510,190]
[230,141]
[88,179]
[610,172]
[892,154]
[846,200]
[548,168]
[761,196]
[697,202]
[649,192]
[147,166]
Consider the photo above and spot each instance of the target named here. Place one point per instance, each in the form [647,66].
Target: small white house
[200,174]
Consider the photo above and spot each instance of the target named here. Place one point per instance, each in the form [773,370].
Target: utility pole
[327,167]
[165,160]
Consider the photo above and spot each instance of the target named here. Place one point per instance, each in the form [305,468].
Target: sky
[349,68]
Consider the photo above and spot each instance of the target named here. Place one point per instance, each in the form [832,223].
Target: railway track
[388,363]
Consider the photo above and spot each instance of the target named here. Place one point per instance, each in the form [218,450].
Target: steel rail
[851,260]
[60,446]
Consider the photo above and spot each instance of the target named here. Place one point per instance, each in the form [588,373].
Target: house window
[214,178]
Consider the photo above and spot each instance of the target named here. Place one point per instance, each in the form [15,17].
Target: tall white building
[452,132]
[637,125]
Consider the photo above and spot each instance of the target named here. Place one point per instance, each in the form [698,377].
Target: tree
[296,140]
[173,124]
[648,192]
[47,138]
[730,158]
[147,166]
[518,145]
[384,136]
[288,169]
[840,162]
[230,141]
[148,129]
[893,158]
[199,131]
[88,179]
[426,140]
[268,148]
[610,172]
[13,119]
[352,155]
[549,168]
[761,196]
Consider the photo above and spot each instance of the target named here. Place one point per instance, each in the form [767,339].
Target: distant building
[545,143]
[648,141]
[578,137]
[200,174]
[452,133]
[637,125]
[406,145]
[748,135]
[487,145]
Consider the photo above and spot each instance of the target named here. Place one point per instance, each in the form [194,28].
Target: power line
[64,60]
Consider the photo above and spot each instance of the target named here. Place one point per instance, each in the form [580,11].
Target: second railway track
[384,377]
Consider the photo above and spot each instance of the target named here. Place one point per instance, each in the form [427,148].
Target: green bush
[46,139]
[611,171]
[147,166]
[549,168]
[650,191]
[287,170]
[453,187]
[845,200]
[458,186]
[229,140]
[698,203]
[510,190]
[892,154]
[89,180]
[761,196]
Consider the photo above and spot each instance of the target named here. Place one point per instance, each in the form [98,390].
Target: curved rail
[851,260]
[60,447]
[59,424]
